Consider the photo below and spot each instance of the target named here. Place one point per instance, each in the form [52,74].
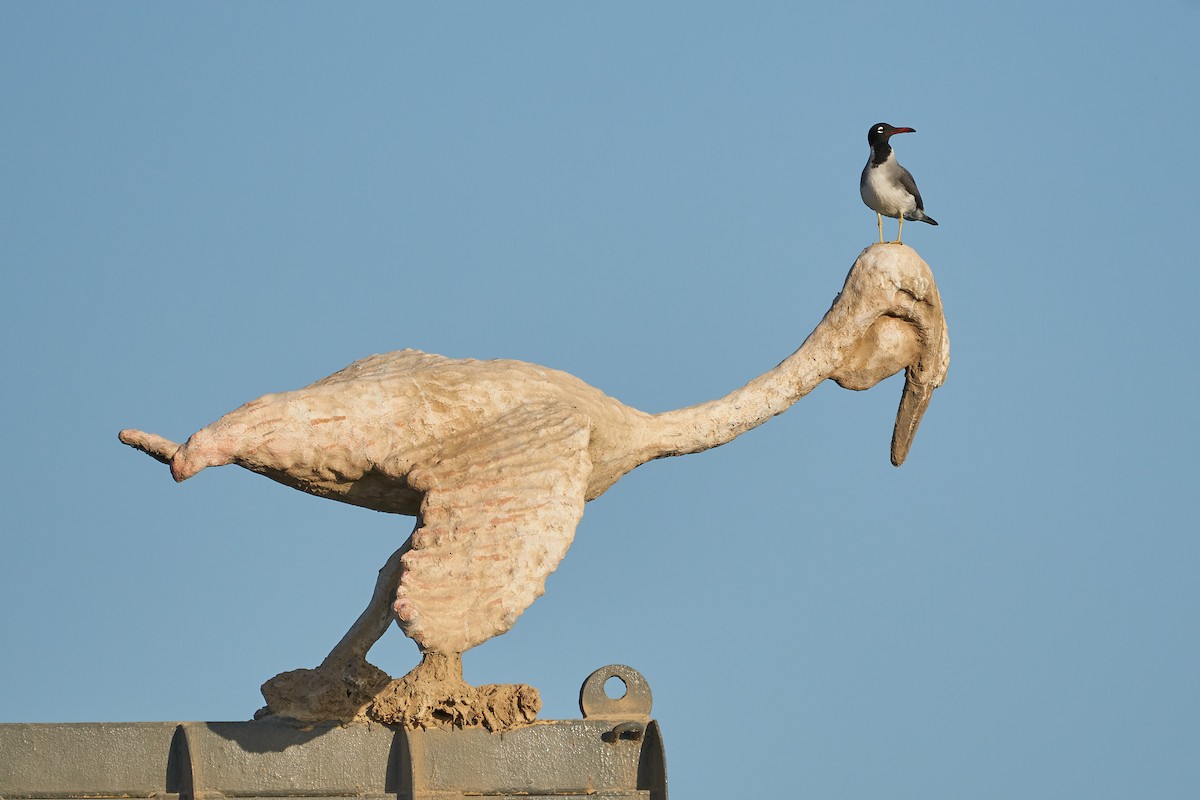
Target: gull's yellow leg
[880,218]
[900,230]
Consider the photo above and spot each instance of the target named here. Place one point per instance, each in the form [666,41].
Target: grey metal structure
[615,751]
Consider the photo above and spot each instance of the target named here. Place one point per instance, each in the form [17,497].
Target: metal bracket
[634,702]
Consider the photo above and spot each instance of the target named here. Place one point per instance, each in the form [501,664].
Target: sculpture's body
[496,459]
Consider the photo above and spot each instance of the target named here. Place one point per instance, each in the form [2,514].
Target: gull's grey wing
[499,512]
[910,185]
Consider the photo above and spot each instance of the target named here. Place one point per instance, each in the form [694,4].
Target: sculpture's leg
[375,619]
[345,684]
[345,687]
[434,694]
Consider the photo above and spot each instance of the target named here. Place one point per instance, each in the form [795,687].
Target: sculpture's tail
[184,460]
[153,445]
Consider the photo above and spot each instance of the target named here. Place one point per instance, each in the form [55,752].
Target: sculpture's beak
[921,377]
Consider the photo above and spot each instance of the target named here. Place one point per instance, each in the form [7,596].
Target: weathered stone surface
[497,458]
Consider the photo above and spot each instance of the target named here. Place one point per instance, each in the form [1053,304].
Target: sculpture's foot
[434,694]
[339,692]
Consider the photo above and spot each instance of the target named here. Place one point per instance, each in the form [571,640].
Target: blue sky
[204,203]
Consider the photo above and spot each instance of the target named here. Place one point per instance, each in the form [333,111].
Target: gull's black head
[880,132]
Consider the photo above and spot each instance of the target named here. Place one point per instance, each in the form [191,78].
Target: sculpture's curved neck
[707,425]
[858,343]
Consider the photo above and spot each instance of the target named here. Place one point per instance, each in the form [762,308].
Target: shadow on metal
[615,751]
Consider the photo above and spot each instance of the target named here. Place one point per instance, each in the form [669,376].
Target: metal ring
[595,703]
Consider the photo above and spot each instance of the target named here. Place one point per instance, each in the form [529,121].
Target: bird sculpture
[887,188]
[496,459]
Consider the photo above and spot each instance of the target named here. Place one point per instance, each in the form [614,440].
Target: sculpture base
[417,704]
[615,751]
[432,695]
